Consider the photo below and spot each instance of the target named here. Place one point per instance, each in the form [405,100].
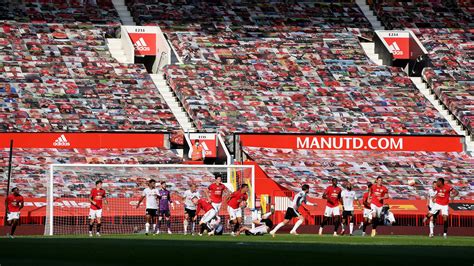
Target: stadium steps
[115,48]
[124,13]
[173,103]
[452,120]
[369,49]
[369,14]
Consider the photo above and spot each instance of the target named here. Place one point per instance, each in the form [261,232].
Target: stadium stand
[60,11]
[445,29]
[62,78]
[292,167]
[248,67]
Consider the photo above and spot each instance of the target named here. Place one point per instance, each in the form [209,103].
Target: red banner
[81,140]
[36,207]
[354,142]
[144,43]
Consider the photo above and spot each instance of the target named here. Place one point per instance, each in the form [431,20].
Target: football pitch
[243,250]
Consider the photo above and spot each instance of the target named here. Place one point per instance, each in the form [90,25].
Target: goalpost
[69,186]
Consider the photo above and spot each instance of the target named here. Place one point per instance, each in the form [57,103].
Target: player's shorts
[234,213]
[435,215]
[216,206]
[331,211]
[291,213]
[13,216]
[367,213]
[347,213]
[94,214]
[376,210]
[151,212]
[208,216]
[444,209]
[191,213]
[165,213]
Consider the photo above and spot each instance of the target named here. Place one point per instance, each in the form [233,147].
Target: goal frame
[50,195]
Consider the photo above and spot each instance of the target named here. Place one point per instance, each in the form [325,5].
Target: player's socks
[236,227]
[361,225]
[12,232]
[185,225]
[320,230]
[431,228]
[168,225]
[147,228]
[445,235]
[203,228]
[343,228]
[193,228]
[446,223]
[336,225]
[90,228]
[98,227]
[280,225]
[154,227]
[374,232]
[297,224]
[351,228]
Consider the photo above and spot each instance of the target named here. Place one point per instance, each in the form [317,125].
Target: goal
[69,187]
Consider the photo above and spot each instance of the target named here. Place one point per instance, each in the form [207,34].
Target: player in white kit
[430,197]
[262,226]
[348,197]
[292,211]
[151,194]
[190,208]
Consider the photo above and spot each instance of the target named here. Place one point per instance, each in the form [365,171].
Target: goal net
[70,185]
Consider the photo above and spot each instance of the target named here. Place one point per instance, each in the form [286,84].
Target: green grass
[244,250]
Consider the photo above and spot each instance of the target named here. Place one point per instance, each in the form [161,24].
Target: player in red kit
[216,192]
[210,212]
[13,204]
[367,214]
[378,193]
[333,196]
[97,199]
[441,202]
[234,208]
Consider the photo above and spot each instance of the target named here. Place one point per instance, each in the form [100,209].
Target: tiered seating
[60,11]
[31,167]
[215,16]
[425,14]
[278,76]
[290,168]
[446,32]
[62,78]
[319,82]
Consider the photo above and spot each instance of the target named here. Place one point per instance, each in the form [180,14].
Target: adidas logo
[61,141]
[395,49]
[141,45]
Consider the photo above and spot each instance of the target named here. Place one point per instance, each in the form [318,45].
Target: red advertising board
[36,207]
[144,43]
[81,140]
[355,142]
[399,46]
